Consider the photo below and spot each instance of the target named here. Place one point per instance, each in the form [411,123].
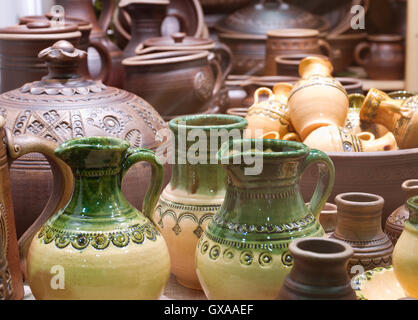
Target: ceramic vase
[195,192]
[319,271]
[359,225]
[398,115]
[317,99]
[395,222]
[405,257]
[104,246]
[243,254]
[336,139]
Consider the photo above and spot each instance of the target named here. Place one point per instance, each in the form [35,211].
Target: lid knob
[178,37]
[38,24]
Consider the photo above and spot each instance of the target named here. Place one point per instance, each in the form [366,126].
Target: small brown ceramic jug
[359,225]
[399,116]
[328,217]
[395,222]
[383,56]
[319,271]
[317,99]
[336,139]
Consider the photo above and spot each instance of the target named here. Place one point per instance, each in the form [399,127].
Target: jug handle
[157,175]
[226,55]
[106,61]
[106,14]
[361,47]
[326,179]
[219,75]
[62,188]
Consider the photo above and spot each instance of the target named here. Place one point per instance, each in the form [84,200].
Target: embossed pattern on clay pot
[395,222]
[319,271]
[195,192]
[62,106]
[359,224]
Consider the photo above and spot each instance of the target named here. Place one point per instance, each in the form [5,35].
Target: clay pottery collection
[83,9]
[174,82]
[319,271]
[395,222]
[64,105]
[243,254]
[195,192]
[399,116]
[359,224]
[328,217]
[292,41]
[335,139]
[19,48]
[405,257]
[317,99]
[99,233]
[383,56]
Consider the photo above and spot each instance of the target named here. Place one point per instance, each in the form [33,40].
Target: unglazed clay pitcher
[395,222]
[359,224]
[397,115]
[317,99]
[195,192]
[107,249]
[244,253]
[319,271]
[405,254]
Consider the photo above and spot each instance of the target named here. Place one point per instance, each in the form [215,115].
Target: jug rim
[229,122]
[101,143]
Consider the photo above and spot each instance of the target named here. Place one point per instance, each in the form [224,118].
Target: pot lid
[39,27]
[268,15]
[124,3]
[166,57]
[82,24]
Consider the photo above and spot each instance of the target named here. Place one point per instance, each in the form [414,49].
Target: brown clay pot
[395,222]
[174,82]
[83,9]
[19,48]
[62,106]
[359,225]
[318,271]
[383,57]
[292,41]
[328,217]
[288,64]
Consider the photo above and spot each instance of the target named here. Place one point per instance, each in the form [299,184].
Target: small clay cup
[359,225]
[395,222]
[319,271]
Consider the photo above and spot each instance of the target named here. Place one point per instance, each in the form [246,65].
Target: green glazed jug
[99,246]
[244,253]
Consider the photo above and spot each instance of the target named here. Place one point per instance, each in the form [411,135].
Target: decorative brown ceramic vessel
[383,56]
[64,105]
[319,271]
[359,224]
[328,217]
[395,222]
[293,41]
[19,48]
[174,82]
[83,9]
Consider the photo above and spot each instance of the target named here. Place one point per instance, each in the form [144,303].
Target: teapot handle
[18,146]
[219,74]
[106,14]
[153,193]
[326,179]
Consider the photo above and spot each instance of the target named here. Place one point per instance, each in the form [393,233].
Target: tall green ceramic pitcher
[244,254]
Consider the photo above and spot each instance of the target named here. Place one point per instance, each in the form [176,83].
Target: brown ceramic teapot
[64,105]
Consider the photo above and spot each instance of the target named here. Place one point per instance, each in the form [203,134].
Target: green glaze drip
[412,204]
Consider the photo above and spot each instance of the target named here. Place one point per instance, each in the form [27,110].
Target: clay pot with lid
[359,225]
[395,222]
[383,56]
[19,48]
[64,105]
[319,271]
[293,41]
[174,82]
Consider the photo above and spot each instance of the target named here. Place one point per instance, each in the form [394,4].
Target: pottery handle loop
[359,50]
[219,75]
[326,179]
[325,48]
[106,61]
[226,56]
[261,91]
[157,176]
[62,182]
[106,14]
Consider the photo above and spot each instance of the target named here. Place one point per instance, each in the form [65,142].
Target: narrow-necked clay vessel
[317,99]
[99,246]
[359,224]
[319,271]
[335,139]
[405,254]
[328,217]
[195,192]
[399,116]
[395,222]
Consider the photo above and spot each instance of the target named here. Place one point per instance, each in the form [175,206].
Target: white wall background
[11,10]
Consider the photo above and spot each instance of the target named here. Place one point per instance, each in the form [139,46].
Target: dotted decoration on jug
[287,259]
